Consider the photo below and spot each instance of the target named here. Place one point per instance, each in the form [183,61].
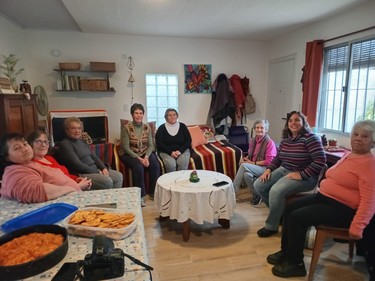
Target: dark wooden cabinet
[17,114]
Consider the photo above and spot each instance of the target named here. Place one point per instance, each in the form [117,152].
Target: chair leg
[318,246]
[351,248]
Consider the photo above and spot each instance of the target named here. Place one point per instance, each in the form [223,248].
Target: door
[280,94]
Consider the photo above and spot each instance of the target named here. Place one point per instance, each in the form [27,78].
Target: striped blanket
[211,156]
[104,151]
[217,157]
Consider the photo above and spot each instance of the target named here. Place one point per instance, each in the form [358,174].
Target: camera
[104,262]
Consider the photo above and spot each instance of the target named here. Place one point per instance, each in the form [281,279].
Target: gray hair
[367,126]
[70,120]
[170,110]
[265,123]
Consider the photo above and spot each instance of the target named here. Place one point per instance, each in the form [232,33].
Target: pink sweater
[24,183]
[352,182]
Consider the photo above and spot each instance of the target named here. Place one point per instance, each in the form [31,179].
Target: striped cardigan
[302,153]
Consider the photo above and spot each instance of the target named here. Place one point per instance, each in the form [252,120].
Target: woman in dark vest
[137,151]
[260,154]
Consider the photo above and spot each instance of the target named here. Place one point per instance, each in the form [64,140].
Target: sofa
[207,153]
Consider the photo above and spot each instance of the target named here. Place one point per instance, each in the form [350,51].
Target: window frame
[158,116]
[344,118]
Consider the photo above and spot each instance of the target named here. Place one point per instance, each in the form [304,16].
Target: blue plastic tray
[49,214]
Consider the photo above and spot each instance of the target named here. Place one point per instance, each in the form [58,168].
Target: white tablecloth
[180,199]
[134,245]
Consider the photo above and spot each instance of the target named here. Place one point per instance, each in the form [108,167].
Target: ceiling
[216,19]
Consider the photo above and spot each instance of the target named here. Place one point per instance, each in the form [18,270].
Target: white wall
[166,55]
[295,43]
[151,55]
[12,40]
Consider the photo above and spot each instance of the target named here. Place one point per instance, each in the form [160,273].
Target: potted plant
[332,142]
[9,70]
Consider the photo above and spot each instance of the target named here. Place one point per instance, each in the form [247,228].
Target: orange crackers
[102,219]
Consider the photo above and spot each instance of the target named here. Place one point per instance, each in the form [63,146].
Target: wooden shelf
[83,71]
[83,91]
[82,81]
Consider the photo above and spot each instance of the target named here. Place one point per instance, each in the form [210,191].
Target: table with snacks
[178,197]
[134,244]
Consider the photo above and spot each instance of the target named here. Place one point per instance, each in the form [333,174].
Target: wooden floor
[234,254]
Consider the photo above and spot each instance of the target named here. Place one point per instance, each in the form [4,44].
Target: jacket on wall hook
[250,106]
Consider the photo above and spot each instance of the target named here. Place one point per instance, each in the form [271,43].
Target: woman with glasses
[77,156]
[27,181]
[39,142]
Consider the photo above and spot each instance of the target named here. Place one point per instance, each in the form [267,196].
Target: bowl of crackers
[32,250]
[113,223]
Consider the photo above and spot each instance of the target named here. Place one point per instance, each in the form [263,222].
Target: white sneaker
[143,202]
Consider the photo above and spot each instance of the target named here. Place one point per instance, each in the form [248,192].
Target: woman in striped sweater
[295,169]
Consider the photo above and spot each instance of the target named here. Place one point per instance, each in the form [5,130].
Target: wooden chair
[322,233]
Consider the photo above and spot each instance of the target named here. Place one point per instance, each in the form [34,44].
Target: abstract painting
[198,78]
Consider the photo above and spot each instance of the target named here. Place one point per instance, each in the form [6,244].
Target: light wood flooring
[234,254]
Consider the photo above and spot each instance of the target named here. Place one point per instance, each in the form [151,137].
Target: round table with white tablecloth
[179,198]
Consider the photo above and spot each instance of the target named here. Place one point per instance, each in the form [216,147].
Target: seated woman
[27,181]
[260,154]
[39,142]
[77,156]
[346,198]
[295,169]
[137,151]
[173,142]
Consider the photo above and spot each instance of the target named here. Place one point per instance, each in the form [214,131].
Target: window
[161,93]
[348,85]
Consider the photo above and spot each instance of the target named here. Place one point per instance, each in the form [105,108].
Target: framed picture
[198,78]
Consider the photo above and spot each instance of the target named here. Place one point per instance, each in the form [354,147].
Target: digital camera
[104,262]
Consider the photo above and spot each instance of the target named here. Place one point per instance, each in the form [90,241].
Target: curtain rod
[351,33]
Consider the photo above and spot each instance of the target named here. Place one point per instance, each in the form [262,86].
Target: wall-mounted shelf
[89,81]
[83,91]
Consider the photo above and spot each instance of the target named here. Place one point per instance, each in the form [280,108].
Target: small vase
[194,176]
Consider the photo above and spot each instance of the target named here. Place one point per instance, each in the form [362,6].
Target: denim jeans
[246,174]
[277,189]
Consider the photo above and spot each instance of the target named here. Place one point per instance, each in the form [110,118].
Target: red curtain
[311,79]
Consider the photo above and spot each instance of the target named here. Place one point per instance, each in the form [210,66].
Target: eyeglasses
[40,142]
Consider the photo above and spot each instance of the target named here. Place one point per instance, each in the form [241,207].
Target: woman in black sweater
[173,142]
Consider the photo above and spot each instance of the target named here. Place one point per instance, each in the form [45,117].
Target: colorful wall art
[198,78]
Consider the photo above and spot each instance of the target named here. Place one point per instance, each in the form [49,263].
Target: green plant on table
[9,69]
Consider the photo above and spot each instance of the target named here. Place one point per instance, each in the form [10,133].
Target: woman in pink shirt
[26,181]
[262,150]
[346,199]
